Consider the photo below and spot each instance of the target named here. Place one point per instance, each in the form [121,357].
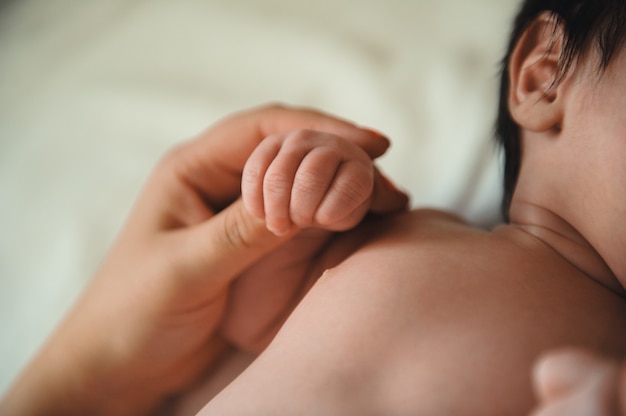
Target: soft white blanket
[93,92]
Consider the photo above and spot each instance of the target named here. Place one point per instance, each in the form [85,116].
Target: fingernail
[374,132]
[278,232]
[281,231]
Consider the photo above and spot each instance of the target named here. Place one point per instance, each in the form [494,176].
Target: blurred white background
[93,92]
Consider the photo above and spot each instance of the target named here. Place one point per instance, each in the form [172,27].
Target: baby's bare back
[428,316]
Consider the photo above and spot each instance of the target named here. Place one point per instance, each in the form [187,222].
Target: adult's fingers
[387,197]
[576,382]
[224,246]
[577,405]
[559,373]
[213,162]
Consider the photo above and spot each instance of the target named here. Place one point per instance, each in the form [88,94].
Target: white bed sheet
[93,92]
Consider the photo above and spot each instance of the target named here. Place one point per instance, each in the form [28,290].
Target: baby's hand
[305,178]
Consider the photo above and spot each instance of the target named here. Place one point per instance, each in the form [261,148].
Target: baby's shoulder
[422,226]
[435,236]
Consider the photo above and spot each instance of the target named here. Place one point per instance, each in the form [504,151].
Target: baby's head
[585,30]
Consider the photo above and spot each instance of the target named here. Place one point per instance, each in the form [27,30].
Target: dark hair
[585,23]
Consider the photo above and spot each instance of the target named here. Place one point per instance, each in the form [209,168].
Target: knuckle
[356,190]
[272,107]
[252,175]
[298,136]
[235,231]
[275,183]
[174,163]
[173,156]
[345,197]
[307,181]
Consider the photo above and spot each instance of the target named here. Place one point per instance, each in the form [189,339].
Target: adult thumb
[224,246]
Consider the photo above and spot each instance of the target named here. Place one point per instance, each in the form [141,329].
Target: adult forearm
[65,381]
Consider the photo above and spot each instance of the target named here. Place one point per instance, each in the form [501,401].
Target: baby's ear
[535,94]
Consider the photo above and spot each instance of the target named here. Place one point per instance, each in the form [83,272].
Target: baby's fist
[306,178]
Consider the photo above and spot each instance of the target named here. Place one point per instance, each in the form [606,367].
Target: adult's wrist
[78,376]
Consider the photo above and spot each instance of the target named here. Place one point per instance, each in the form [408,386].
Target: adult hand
[303,180]
[574,382]
[148,323]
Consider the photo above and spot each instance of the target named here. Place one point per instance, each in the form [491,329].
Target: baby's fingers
[311,183]
[253,176]
[269,177]
[277,185]
[347,200]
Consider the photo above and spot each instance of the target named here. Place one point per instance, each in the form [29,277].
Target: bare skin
[575,382]
[306,184]
[419,313]
[397,329]
[158,314]
[424,314]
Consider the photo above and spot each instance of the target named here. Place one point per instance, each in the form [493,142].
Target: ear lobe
[535,97]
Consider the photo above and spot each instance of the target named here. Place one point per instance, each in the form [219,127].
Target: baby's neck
[561,236]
